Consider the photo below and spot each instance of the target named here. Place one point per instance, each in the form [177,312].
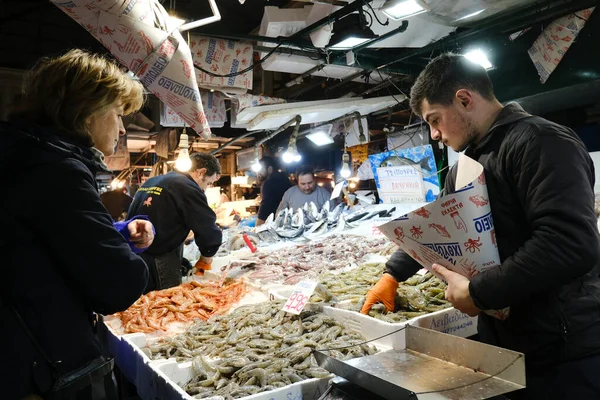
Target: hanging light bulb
[256,166]
[183,162]
[291,153]
[345,172]
[297,156]
[114,184]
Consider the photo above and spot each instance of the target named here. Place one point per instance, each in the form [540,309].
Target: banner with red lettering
[142,36]
[456,231]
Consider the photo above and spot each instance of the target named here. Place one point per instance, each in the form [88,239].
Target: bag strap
[54,365]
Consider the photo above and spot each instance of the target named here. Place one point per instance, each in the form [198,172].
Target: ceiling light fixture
[478,57]
[322,136]
[398,9]
[345,172]
[350,31]
[291,153]
[256,166]
[183,162]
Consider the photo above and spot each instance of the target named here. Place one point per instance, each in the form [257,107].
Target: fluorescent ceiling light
[479,57]
[471,15]
[349,32]
[320,138]
[348,43]
[398,9]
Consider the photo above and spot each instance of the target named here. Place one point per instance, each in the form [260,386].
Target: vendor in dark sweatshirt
[176,203]
[274,184]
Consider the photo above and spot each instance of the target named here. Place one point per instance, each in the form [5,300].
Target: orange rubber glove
[384,292]
[202,266]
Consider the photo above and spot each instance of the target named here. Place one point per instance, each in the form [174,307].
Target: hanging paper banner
[141,35]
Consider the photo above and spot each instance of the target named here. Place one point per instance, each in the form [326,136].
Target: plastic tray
[449,321]
[170,375]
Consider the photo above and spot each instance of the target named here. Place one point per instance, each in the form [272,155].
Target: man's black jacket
[540,181]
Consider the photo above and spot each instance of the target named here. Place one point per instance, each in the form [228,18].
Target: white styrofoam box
[170,375]
[282,21]
[450,321]
[371,328]
[275,115]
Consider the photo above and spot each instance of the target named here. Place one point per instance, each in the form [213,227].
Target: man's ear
[465,99]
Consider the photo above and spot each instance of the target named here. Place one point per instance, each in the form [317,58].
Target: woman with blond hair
[62,258]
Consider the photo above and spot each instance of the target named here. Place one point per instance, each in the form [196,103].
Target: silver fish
[334,215]
[290,233]
[318,229]
[280,217]
[289,215]
[298,218]
[394,161]
[314,211]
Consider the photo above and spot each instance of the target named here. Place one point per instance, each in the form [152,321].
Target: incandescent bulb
[345,171]
[183,162]
[256,166]
[288,156]
[297,157]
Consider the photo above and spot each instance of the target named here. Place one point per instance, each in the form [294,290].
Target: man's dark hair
[305,170]
[205,160]
[268,161]
[444,76]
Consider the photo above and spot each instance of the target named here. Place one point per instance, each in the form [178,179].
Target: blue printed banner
[406,176]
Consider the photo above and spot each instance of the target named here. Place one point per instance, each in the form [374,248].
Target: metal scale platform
[429,365]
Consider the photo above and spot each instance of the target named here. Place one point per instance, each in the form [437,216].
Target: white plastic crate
[169,375]
[450,320]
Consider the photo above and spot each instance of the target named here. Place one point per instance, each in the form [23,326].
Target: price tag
[299,297]
[337,190]
[375,231]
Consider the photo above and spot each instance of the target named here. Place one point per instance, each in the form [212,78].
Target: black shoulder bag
[67,385]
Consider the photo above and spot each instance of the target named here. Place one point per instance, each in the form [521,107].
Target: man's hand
[141,233]
[384,292]
[457,291]
[203,264]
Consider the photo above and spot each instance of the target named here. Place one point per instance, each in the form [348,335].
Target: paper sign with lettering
[406,176]
[299,297]
[401,184]
[456,231]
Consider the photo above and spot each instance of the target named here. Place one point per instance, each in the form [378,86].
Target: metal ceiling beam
[289,40]
[232,141]
[503,23]
[393,32]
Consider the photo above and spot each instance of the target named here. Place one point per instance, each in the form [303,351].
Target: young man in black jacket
[176,203]
[540,180]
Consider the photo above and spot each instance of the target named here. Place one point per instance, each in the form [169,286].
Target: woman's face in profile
[106,128]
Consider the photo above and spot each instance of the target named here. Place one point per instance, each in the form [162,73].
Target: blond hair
[65,91]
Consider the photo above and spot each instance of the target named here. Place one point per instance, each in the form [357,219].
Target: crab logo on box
[484,223]
[447,250]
